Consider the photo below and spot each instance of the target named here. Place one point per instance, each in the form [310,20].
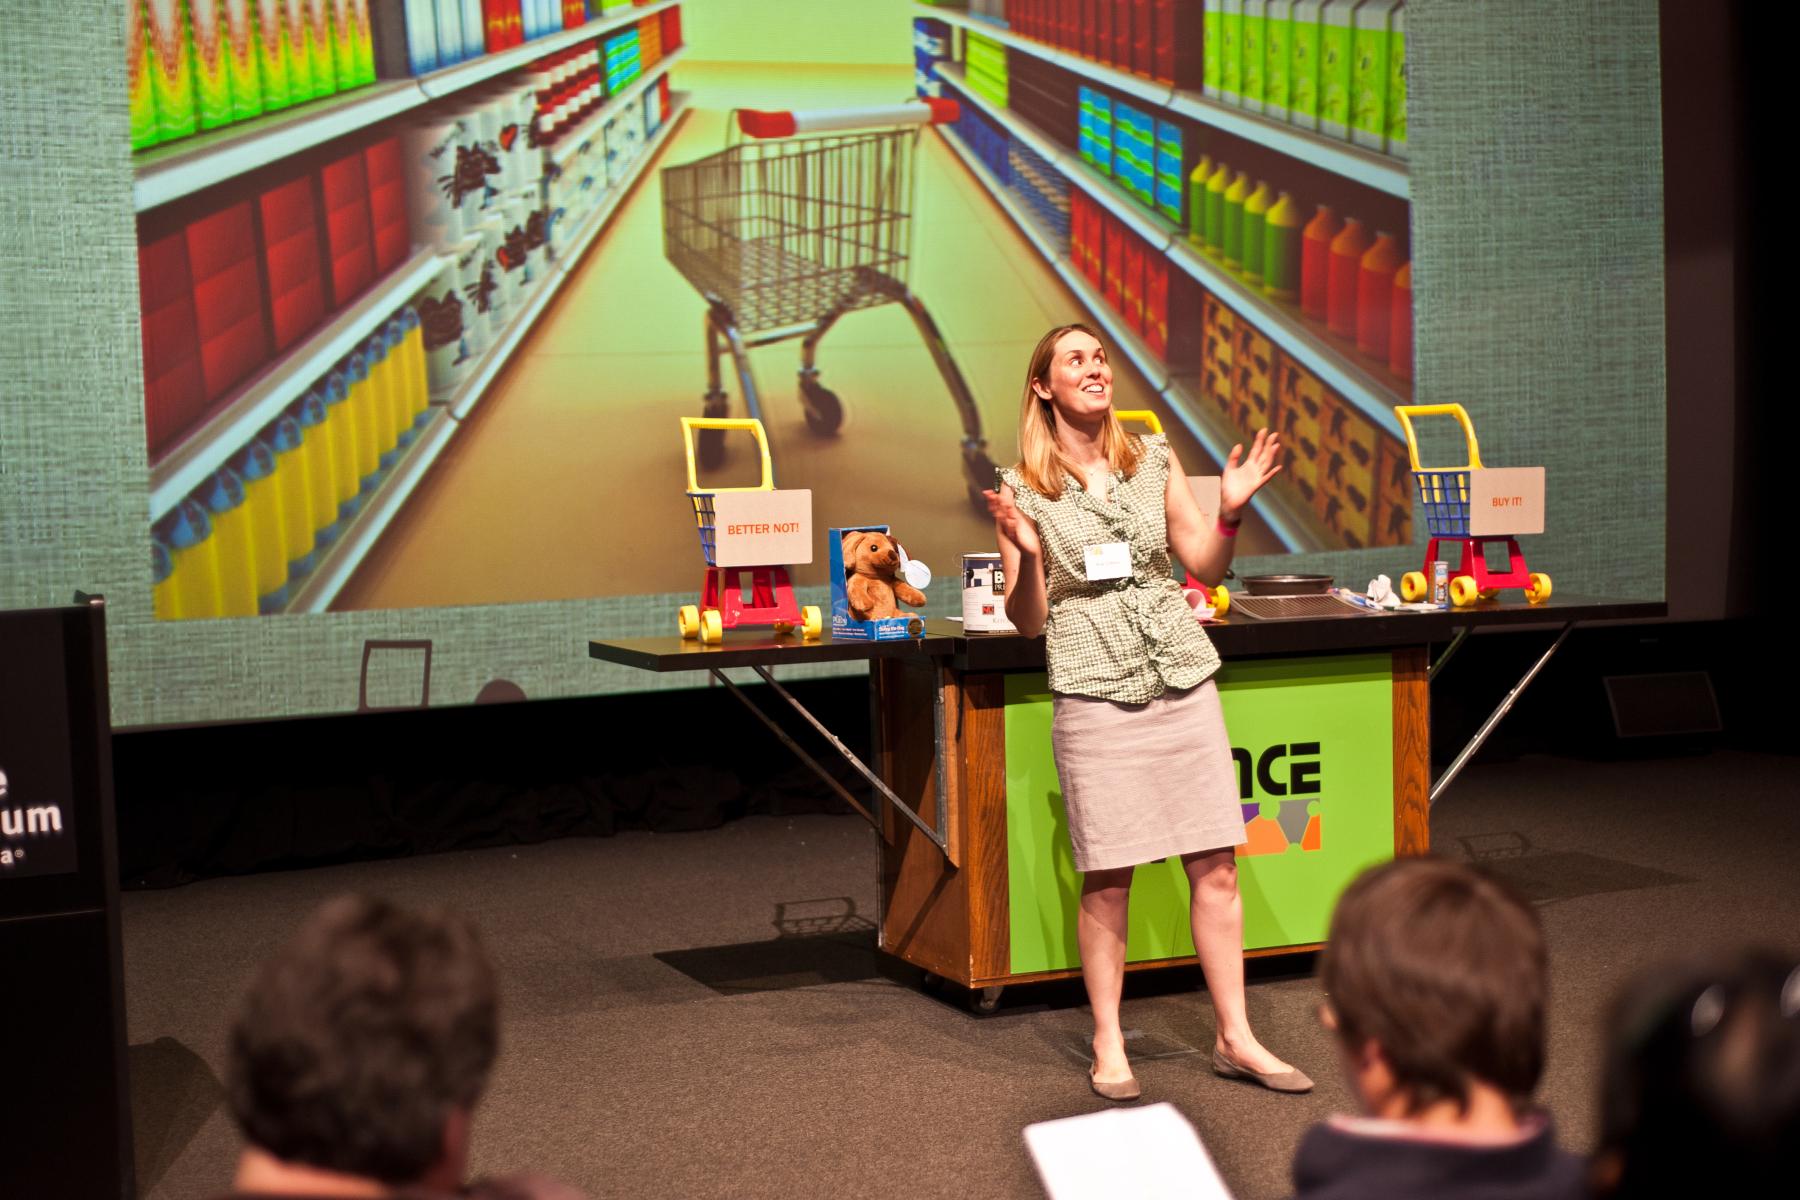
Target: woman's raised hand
[1240,480]
[1014,524]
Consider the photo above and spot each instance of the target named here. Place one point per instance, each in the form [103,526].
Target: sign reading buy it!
[1313,745]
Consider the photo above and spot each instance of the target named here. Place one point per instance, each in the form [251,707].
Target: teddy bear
[874,587]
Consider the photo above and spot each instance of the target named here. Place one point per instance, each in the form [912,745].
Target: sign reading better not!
[763,529]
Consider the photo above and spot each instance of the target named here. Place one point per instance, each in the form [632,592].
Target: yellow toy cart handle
[750,425]
[1142,416]
[1407,411]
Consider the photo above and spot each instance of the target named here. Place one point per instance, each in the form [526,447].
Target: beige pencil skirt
[1142,782]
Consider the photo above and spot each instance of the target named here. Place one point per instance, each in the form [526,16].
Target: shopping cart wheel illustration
[1538,590]
[812,621]
[712,627]
[688,620]
[824,411]
[1413,586]
[1463,591]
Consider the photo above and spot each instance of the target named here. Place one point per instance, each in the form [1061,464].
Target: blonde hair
[1042,463]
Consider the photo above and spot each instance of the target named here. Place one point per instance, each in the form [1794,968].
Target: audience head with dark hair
[1436,982]
[1701,1092]
[359,1053]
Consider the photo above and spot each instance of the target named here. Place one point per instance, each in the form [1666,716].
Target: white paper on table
[1149,1152]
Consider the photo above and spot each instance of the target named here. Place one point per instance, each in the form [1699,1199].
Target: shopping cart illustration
[1445,493]
[784,234]
[722,603]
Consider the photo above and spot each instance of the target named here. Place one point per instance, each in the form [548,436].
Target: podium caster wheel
[931,982]
[984,1001]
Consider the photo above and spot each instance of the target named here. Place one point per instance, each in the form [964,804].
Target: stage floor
[705,1014]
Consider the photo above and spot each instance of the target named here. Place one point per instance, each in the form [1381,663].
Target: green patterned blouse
[1122,639]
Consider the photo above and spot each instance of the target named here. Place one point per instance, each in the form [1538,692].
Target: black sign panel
[37,804]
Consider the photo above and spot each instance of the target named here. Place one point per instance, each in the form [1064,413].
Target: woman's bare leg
[1218,920]
[1100,930]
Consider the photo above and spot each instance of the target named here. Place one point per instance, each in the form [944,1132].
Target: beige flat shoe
[1275,1081]
[1117,1090]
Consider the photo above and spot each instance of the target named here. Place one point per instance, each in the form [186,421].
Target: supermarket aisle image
[566,480]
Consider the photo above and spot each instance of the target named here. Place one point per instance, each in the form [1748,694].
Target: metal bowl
[1287,585]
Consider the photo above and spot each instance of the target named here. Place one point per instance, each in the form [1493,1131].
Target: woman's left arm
[1206,549]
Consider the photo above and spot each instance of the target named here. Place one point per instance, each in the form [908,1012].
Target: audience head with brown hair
[359,1053]
[1436,982]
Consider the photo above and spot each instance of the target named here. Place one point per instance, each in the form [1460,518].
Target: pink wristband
[1227,530]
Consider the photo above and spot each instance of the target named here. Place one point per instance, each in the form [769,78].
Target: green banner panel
[1313,739]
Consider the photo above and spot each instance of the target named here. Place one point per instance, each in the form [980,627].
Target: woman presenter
[1085,523]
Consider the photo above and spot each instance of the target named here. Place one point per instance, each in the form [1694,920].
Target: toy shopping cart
[1219,598]
[722,604]
[1448,496]
[785,234]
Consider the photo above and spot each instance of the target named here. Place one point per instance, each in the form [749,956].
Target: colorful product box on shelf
[1396,125]
[1171,173]
[390,237]
[140,87]
[671,19]
[1337,66]
[240,60]
[1253,397]
[845,627]
[292,258]
[1177,44]
[1250,72]
[451,48]
[1156,305]
[1370,73]
[1212,49]
[344,207]
[172,79]
[1219,341]
[1124,13]
[212,72]
[1112,287]
[222,254]
[1097,129]
[1277,33]
[272,55]
[320,49]
[1305,42]
[1231,52]
[1132,286]
[174,387]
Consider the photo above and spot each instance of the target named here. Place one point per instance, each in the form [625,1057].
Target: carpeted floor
[705,1014]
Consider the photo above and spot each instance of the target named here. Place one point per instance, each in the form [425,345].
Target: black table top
[1243,637]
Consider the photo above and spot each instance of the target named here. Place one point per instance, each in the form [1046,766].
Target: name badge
[1108,560]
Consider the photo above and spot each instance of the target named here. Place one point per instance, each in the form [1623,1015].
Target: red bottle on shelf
[1315,263]
[1113,282]
[1375,296]
[1132,288]
[1400,325]
[1347,250]
[1156,304]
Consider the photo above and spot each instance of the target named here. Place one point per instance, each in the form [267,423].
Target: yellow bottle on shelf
[287,439]
[368,425]
[1197,200]
[1256,214]
[321,477]
[419,385]
[340,420]
[393,338]
[381,391]
[255,466]
[235,542]
[193,562]
[1235,195]
[1216,187]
